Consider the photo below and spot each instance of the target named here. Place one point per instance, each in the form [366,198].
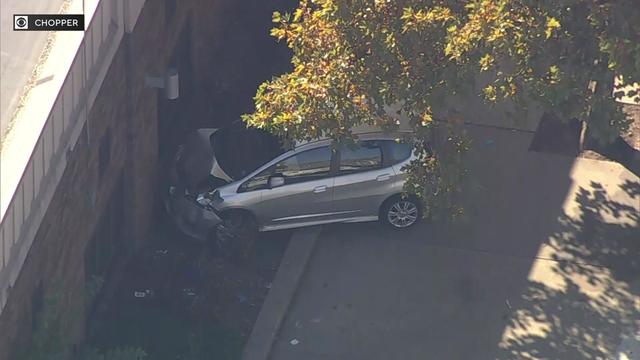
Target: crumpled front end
[191,217]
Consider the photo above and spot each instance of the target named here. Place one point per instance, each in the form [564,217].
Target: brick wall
[127,111]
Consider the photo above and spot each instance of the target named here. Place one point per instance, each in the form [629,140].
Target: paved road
[546,267]
[19,52]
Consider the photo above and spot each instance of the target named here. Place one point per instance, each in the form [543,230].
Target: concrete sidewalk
[547,266]
[20,52]
[278,300]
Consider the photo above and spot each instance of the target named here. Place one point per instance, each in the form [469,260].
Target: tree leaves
[552,26]
[353,58]
[486,61]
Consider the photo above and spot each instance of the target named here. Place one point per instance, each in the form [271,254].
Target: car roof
[373,135]
[370,132]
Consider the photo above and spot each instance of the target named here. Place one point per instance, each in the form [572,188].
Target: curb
[274,309]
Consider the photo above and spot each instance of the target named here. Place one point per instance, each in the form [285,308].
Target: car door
[307,194]
[363,180]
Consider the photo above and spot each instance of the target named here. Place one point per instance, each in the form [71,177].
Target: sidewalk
[547,266]
[21,53]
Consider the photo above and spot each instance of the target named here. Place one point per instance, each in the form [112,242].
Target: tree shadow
[563,138]
[595,302]
[619,151]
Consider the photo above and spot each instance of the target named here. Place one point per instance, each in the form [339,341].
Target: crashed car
[210,158]
[244,181]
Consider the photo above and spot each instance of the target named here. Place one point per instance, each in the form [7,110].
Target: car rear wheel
[401,212]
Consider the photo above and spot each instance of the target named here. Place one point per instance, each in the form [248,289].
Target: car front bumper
[190,217]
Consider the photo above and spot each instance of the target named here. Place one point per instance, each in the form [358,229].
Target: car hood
[197,159]
[215,169]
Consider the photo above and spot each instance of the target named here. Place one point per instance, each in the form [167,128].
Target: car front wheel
[401,212]
[236,233]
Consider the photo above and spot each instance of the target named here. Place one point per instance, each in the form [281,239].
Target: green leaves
[276,17]
[554,74]
[552,26]
[486,61]
[351,58]
[490,93]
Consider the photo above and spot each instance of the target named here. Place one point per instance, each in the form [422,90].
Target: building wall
[126,112]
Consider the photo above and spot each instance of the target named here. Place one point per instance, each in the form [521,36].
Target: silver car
[308,185]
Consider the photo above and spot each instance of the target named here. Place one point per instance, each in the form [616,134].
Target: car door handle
[319,189]
[383,177]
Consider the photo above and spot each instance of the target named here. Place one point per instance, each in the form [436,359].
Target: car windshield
[240,151]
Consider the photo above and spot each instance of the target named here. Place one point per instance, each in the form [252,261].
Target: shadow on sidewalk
[598,264]
[563,138]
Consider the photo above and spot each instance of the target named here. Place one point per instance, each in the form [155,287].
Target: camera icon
[20,22]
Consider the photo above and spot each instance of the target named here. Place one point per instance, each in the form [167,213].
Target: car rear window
[364,156]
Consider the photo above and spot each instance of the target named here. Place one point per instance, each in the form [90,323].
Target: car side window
[305,166]
[258,181]
[367,155]
[400,151]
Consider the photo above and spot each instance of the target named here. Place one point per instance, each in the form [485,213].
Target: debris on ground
[189,292]
[160,253]
[242,299]
[294,342]
[144,293]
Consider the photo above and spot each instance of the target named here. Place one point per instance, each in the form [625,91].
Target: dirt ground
[182,300]
[179,299]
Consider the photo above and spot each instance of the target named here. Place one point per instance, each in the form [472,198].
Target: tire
[238,235]
[401,212]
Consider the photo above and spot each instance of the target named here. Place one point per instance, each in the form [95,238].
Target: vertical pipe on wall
[129,178]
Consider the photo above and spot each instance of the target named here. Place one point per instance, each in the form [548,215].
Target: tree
[354,58]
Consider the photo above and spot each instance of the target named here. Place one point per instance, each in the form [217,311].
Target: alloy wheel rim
[402,214]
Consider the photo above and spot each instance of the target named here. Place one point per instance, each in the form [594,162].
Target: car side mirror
[276,181]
